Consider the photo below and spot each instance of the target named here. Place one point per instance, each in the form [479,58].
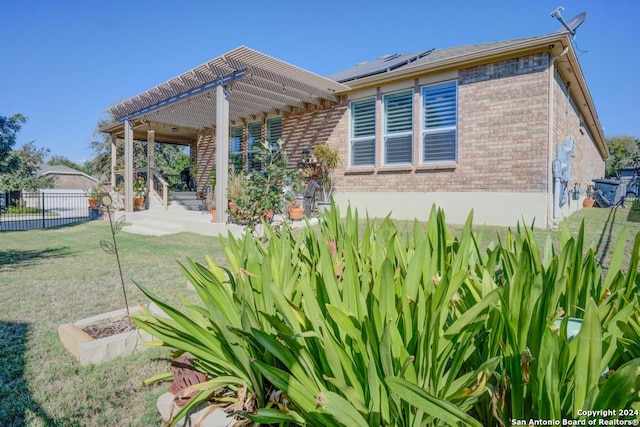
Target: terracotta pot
[213,215]
[93,203]
[296,213]
[138,202]
[267,215]
[588,202]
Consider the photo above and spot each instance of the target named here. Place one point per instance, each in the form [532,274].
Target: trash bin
[94,213]
[612,189]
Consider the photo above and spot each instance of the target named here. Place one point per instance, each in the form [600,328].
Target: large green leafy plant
[357,324]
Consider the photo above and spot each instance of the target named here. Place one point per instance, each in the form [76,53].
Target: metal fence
[22,210]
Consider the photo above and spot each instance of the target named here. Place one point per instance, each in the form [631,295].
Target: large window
[440,120]
[254,133]
[235,148]
[398,128]
[274,129]
[363,132]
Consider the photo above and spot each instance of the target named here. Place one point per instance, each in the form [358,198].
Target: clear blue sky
[65,62]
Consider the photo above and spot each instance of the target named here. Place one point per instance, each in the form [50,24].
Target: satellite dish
[572,25]
[576,21]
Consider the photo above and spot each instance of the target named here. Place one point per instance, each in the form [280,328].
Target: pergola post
[151,155]
[128,166]
[222,151]
[114,160]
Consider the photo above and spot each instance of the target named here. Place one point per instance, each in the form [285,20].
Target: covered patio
[235,88]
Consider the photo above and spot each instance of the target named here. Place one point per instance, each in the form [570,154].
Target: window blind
[398,141]
[440,120]
[363,131]
[274,129]
[254,133]
[235,145]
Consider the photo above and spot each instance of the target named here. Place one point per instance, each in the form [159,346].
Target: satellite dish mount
[572,25]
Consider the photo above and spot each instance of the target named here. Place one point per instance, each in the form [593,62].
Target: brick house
[507,129]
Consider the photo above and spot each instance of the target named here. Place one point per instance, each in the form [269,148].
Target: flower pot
[266,215]
[214,216]
[295,214]
[588,202]
[93,202]
[138,203]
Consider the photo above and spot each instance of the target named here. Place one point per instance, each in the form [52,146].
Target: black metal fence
[43,209]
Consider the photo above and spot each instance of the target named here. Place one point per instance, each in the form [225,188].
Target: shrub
[357,326]
[22,210]
[266,191]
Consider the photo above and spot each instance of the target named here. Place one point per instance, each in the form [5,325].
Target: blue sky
[64,63]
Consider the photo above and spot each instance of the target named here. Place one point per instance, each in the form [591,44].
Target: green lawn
[49,277]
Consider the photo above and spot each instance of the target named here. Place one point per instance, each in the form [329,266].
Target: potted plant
[211,196]
[94,195]
[139,193]
[296,211]
[328,158]
[235,188]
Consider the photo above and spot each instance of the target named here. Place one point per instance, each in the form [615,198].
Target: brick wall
[587,163]
[308,129]
[502,134]
[301,131]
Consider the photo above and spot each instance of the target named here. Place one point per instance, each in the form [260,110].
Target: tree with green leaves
[624,152]
[169,158]
[18,168]
[64,161]
[22,169]
[9,128]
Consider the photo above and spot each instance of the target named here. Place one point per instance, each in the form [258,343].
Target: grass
[50,277]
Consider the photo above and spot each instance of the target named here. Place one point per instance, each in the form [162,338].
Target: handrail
[159,186]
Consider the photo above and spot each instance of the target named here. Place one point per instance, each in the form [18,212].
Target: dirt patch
[109,327]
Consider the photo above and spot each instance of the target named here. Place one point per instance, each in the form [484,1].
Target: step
[188,200]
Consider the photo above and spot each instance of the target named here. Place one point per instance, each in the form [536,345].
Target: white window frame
[435,130]
[386,135]
[353,139]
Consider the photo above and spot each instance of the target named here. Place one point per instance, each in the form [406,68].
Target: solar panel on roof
[380,65]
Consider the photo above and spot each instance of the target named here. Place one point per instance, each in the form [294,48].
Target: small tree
[269,189]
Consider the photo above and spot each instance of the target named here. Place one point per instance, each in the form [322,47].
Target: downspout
[553,184]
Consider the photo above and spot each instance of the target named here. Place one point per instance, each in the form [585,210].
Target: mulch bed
[109,327]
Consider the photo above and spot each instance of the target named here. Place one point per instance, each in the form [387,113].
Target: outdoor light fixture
[175,129]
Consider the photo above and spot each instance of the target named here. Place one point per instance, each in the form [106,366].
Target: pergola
[238,85]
